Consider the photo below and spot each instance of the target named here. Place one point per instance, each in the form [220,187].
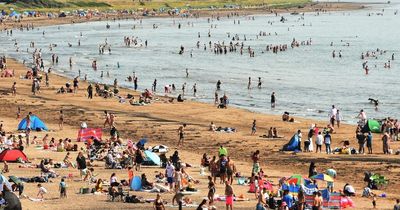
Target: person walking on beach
[14,89]
[332,115]
[61,120]
[338,118]
[253,128]
[273,100]
[229,196]
[76,86]
[256,162]
[216,99]
[90,91]
[181,133]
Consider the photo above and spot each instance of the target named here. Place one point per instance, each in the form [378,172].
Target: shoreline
[308,7]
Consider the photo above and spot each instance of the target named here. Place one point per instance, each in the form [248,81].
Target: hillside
[55,5]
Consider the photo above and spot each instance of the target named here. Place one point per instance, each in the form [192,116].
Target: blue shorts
[170,180]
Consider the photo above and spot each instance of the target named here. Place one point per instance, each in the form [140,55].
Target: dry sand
[159,122]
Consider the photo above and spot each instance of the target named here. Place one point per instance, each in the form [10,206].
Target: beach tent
[152,158]
[36,124]
[14,13]
[292,145]
[372,125]
[12,155]
[136,183]
[87,133]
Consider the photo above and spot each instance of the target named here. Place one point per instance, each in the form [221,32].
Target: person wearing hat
[284,206]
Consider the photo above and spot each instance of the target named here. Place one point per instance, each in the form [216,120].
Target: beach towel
[87,133]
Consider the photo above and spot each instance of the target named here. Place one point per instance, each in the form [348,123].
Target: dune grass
[57,5]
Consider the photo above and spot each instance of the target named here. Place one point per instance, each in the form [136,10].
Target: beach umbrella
[142,141]
[323,177]
[296,179]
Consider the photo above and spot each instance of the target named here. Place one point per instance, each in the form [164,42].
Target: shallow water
[307,80]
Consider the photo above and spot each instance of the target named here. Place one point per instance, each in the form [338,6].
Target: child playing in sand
[63,189]
[41,192]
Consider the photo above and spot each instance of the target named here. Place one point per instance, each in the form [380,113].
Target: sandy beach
[159,124]
[310,7]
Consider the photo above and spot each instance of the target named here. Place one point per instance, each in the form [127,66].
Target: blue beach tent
[292,145]
[36,124]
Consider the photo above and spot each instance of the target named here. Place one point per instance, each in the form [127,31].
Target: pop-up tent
[12,155]
[372,125]
[136,183]
[151,158]
[292,145]
[36,124]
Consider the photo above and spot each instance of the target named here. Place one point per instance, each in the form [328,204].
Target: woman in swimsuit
[158,203]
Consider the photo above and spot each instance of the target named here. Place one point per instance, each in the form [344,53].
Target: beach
[157,123]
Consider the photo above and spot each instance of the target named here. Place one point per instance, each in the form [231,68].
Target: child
[63,189]
[42,191]
[374,200]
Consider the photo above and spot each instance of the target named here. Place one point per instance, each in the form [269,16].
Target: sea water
[306,80]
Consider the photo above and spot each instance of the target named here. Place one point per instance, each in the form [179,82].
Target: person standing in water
[154,87]
[273,100]
[259,82]
[187,73]
[249,83]
[219,85]
[194,89]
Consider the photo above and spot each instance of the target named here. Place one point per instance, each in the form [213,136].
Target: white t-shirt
[350,189]
[42,190]
[319,139]
[170,170]
[333,112]
[113,179]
